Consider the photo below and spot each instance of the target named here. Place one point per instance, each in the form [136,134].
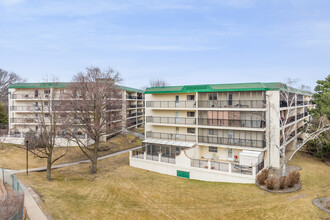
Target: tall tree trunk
[95,155]
[49,165]
[283,160]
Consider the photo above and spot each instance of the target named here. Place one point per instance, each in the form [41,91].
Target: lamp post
[27,157]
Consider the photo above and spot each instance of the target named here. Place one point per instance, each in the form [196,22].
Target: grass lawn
[14,158]
[119,191]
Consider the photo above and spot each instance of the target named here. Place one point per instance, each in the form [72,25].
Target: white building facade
[223,133]
[26,99]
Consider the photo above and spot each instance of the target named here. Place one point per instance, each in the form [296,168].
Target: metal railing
[220,166]
[199,163]
[171,120]
[171,136]
[232,104]
[131,106]
[138,154]
[260,166]
[236,168]
[152,157]
[232,123]
[131,97]
[171,104]
[11,212]
[232,141]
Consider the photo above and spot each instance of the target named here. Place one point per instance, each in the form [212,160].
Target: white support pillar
[144,155]
[254,171]
[159,157]
[209,164]
[229,167]
[130,154]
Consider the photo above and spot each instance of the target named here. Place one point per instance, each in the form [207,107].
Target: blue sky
[181,41]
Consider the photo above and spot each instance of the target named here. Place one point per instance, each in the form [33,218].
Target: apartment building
[25,101]
[223,132]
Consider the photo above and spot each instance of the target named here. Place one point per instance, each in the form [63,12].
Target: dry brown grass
[119,191]
[14,158]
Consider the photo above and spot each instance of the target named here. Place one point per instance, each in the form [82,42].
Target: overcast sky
[181,41]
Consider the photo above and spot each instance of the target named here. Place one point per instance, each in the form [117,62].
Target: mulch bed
[323,203]
[278,173]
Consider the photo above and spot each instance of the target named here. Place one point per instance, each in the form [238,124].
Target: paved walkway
[33,210]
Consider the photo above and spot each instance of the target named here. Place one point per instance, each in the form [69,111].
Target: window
[191,130]
[47,115]
[230,99]
[230,154]
[213,132]
[190,114]
[190,97]
[213,96]
[213,149]
[47,91]
[46,103]
[36,93]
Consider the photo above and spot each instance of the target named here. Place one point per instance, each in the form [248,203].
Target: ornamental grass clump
[270,183]
[282,182]
[262,176]
[293,178]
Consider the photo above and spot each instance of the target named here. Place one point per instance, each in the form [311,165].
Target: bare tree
[158,83]
[7,78]
[289,99]
[50,122]
[96,99]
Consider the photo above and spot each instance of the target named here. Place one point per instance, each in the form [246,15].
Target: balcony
[131,106]
[140,113]
[140,105]
[131,115]
[171,104]
[232,123]
[299,116]
[27,108]
[232,104]
[171,120]
[131,97]
[171,136]
[232,141]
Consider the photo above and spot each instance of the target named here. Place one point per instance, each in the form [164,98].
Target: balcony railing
[131,97]
[140,113]
[232,104]
[140,106]
[131,106]
[139,97]
[232,141]
[232,123]
[131,115]
[171,104]
[299,116]
[171,120]
[171,136]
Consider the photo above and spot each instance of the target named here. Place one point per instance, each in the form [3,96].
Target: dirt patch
[323,203]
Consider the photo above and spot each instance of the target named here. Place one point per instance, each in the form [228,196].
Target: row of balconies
[208,139]
[208,122]
[299,103]
[55,108]
[134,97]
[39,96]
[293,118]
[208,104]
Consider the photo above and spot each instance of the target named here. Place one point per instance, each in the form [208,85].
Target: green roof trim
[38,85]
[44,85]
[130,89]
[231,87]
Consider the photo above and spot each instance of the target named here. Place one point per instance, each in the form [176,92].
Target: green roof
[57,85]
[231,87]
